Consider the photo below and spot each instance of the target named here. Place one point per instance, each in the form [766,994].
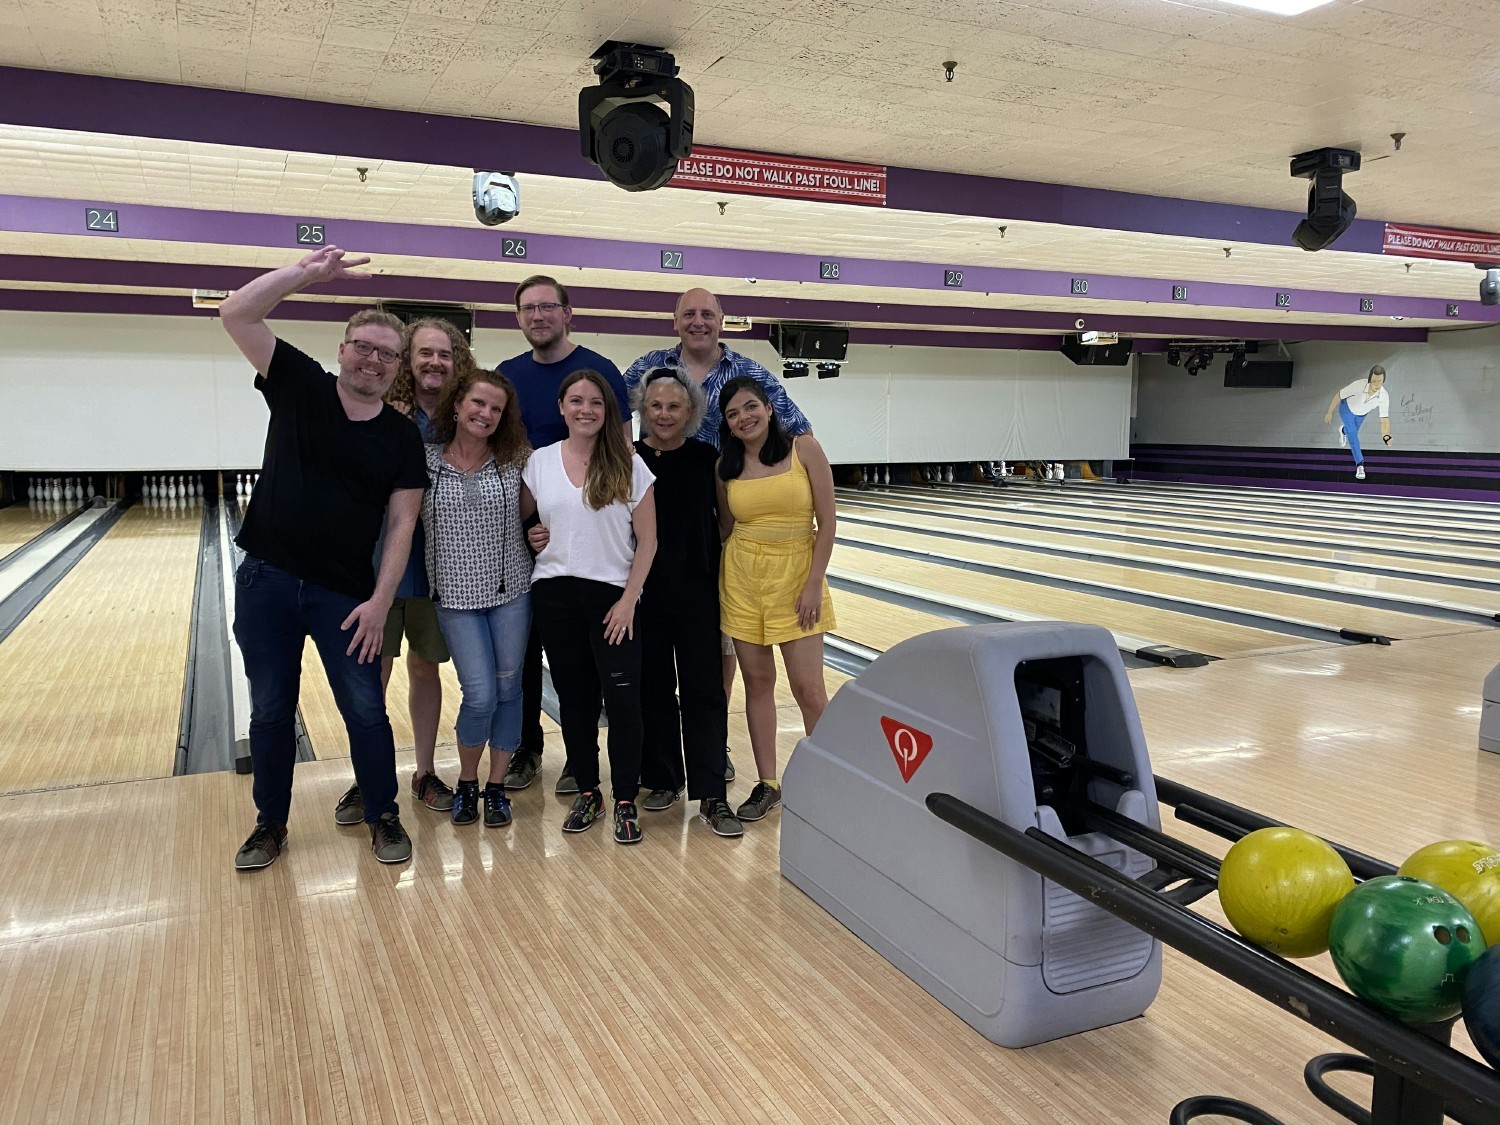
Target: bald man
[699,353]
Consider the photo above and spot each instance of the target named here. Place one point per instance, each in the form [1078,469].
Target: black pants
[683,708]
[587,670]
[531,692]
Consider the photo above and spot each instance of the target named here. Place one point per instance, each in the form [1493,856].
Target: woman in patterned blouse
[480,572]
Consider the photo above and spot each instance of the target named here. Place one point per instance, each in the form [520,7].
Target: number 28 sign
[908,745]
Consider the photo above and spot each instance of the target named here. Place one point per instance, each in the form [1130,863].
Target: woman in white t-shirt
[594,498]
[480,573]
[1353,403]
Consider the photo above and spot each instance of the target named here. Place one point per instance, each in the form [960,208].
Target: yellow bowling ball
[1467,870]
[1279,887]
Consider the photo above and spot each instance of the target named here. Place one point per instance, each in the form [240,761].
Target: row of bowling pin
[159,487]
[875,474]
[1053,470]
[937,474]
[244,483]
[59,489]
[172,503]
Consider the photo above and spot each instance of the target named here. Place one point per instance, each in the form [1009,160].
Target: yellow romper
[767,557]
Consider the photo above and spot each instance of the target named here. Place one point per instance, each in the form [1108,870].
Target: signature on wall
[1414,410]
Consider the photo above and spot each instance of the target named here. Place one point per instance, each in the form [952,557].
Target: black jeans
[588,671]
[683,709]
[531,692]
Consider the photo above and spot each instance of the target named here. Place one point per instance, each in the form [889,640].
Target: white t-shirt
[1354,395]
[584,543]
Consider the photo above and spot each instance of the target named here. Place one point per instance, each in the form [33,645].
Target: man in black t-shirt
[336,457]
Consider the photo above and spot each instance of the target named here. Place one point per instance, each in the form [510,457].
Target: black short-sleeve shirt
[325,481]
[687,520]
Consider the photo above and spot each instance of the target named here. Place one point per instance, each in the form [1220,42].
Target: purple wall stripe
[178,224]
[111,105]
[1287,459]
[152,304]
[107,271]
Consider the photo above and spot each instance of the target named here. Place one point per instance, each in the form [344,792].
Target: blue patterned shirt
[731,365]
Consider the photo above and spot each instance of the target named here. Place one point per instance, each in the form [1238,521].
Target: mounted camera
[1329,209]
[497,197]
[638,122]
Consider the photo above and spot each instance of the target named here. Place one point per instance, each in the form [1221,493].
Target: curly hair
[403,391]
[508,442]
[697,399]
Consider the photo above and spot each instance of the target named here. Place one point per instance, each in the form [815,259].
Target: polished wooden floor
[527,976]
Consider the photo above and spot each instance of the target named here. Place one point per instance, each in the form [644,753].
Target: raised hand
[329,264]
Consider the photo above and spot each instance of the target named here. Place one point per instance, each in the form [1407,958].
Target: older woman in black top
[684,709]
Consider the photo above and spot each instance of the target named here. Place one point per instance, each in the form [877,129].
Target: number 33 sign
[908,745]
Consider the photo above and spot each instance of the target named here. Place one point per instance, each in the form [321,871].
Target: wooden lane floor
[1029,517]
[1355,521]
[880,625]
[1476,509]
[1156,626]
[1273,607]
[1402,591]
[531,977]
[1385,540]
[19,524]
[91,680]
[325,729]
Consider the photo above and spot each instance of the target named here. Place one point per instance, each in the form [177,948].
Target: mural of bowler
[1353,403]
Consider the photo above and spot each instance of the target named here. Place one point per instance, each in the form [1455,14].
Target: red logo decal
[909,745]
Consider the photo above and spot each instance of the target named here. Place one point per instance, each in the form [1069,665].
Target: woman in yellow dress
[776,513]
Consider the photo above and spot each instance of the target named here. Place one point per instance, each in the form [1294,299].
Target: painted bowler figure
[337,457]
[1353,404]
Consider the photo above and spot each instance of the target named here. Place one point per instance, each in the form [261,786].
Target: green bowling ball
[1405,945]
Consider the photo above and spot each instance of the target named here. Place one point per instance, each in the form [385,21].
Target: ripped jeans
[587,671]
[488,646]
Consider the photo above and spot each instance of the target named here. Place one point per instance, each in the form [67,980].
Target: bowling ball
[1467,870]
[1405,945]
[1482,1005]
[1279,886]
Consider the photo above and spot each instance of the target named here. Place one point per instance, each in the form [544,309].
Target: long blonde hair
[608,476]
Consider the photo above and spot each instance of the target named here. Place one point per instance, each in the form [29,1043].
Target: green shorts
[417,619]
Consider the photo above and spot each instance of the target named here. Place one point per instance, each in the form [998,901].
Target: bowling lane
[1037,518]
[1480,511]
[1455,535]
[1316,532]
[91,681]
[1153,625]
[20,524]
[1273,605]
[880,625]
[1338,580]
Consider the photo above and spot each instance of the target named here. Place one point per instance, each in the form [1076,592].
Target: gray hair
[697,400]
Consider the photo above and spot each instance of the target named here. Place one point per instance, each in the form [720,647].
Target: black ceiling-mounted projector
[638,122]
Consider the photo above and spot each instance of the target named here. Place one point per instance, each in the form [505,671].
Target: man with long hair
[338,458]
[544,315]
[434,353]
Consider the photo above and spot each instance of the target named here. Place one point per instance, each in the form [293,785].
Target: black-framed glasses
[367,349]
[548,307]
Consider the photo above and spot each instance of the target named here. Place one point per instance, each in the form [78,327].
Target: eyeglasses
[367,349]
[548,307]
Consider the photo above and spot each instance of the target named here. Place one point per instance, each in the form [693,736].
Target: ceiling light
[1329,209]
[828,371]
[794,369]
[1280,7]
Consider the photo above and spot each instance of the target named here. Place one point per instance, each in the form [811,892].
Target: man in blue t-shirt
[544,314]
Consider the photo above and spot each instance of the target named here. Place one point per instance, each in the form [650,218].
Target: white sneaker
[1359,472]
[1343,439]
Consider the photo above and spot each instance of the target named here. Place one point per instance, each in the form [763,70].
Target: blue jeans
[1352,423]
[274,612]
[488,647]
